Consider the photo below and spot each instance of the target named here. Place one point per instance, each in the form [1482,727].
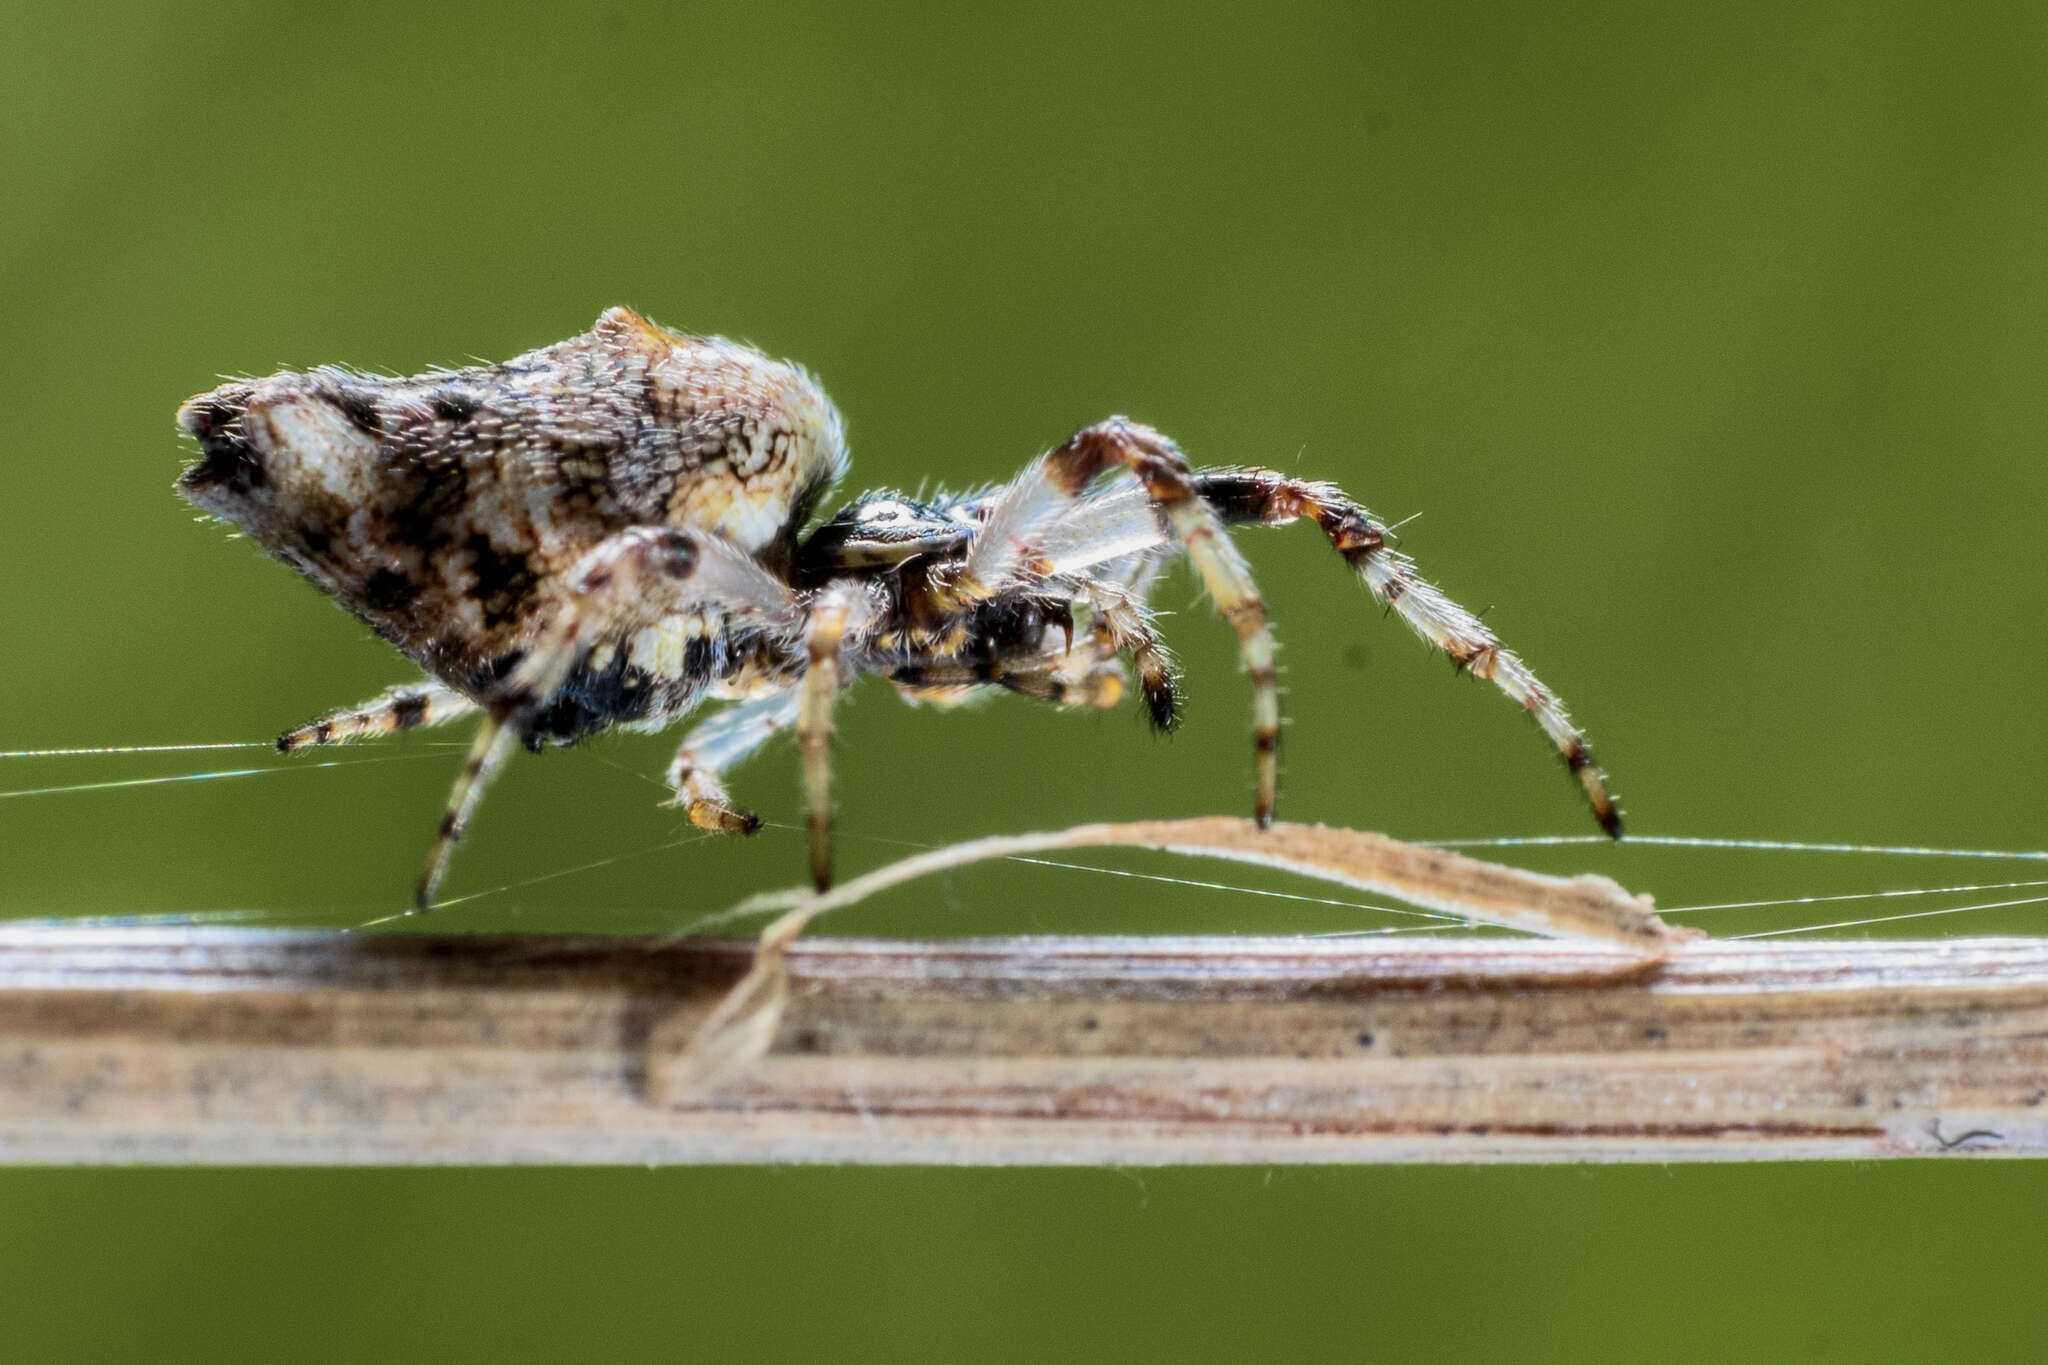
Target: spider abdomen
[445,509]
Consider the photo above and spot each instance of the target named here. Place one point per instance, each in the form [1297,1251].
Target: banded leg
[1124,627]
[1273,499]
[1009,544]
[629,581]
[405,707]
[717,745]
[838,617]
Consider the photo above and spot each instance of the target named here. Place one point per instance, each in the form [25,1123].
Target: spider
[608,532]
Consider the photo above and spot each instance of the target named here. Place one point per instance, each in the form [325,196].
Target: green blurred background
[1706,339]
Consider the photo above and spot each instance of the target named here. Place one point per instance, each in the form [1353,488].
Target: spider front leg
[1009,539]
[1273,499]
[405,707]
[631,580]
[718,745]
[1123,627]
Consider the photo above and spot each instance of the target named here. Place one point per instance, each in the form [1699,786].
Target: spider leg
[1008,547]
[719,744]
[1273,499]
[405,707]
[839,615]
[1122,626]
[630,580]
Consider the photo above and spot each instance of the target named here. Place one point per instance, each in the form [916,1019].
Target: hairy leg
[1123,627]
[719,744]
[1273,499]
[1014,543]
[404,707]
[1044,536]
[630,580]
[838,617]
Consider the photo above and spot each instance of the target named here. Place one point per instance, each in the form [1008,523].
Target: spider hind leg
[405,707]
[630,580]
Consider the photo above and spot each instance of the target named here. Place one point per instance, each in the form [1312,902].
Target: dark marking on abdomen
[505,583]
[451,405]
[424,500]
[388,591]
[354,404]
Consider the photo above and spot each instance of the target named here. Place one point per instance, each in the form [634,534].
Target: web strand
[1757,845]
[216,775]
[1434,920]
[1847,896]
[1890,919]
[132,749]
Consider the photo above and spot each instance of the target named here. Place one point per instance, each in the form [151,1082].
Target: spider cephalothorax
[608,532]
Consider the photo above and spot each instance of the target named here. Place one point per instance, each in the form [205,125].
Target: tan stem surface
[241,1046]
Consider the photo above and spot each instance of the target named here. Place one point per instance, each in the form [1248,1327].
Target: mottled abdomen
[444,510]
